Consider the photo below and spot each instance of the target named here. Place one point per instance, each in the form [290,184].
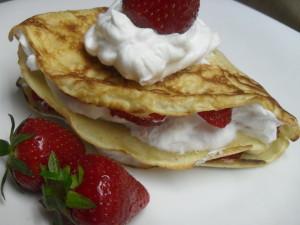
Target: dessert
[183,114]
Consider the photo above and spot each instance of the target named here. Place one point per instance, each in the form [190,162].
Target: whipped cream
[190,133]
[187,133]
[31,58]
[141,54]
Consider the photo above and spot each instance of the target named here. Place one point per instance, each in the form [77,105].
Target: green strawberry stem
[3,183]
[8,149]
[58,190]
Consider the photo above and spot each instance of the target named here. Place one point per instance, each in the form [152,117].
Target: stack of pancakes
[57,41]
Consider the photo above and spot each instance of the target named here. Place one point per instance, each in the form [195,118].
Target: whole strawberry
[220,118]
[117,195]
[164,16]
[31,145]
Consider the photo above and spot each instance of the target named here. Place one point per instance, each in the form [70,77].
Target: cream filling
[187,133]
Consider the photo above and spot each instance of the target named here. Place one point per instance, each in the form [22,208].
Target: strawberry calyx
[8,149]
[58,191]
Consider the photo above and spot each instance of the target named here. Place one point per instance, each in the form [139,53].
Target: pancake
[57,41]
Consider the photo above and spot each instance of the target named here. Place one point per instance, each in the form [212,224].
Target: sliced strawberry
[164,16]
[219,118]
[42,105]
[231,157]
[153,119]
[33,99]
[117,195]
[31,145]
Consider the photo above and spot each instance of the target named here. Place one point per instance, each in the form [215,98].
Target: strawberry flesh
[153,119]
[164,16]
[43,105]
[48,136]
[219,118]
[117,195]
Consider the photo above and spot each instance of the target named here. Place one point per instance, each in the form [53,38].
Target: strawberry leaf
[4,148]
[19,138]
[67,178]
[12,129]
[80,175]
[77,179]
[3,183]
[75,200]
[53,172]
[53,164]
[47,175]
[48,194]
[61,208]
[58,220]
[19,165]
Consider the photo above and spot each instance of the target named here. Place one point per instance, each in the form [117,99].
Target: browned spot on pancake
[71,27]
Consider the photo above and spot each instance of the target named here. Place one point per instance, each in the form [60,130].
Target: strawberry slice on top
[164,16]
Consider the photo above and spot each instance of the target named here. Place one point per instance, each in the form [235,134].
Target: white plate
[261,47]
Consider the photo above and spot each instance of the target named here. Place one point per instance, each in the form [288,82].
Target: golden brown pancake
[57,41]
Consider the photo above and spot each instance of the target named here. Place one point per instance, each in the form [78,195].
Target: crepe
[57,41]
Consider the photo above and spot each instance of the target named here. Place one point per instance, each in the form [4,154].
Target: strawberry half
[153,119]
[30,147]
[117,195]
[219,118]
[164,16]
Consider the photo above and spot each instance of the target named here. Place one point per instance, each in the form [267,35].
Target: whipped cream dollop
[141,54]
[187,133]
[31,58]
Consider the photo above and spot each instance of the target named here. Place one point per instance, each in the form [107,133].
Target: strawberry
[153,119]
[31,145]
[164,16]
[233,157]
[219,118]
[43,106]
[34,100]
[117,195]
[101,193]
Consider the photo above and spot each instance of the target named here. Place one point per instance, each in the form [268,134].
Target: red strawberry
[164,16]
[217,118]
[117,195]
[44,107]
[33,99]
[31,146]
[153,119]
[233,157]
